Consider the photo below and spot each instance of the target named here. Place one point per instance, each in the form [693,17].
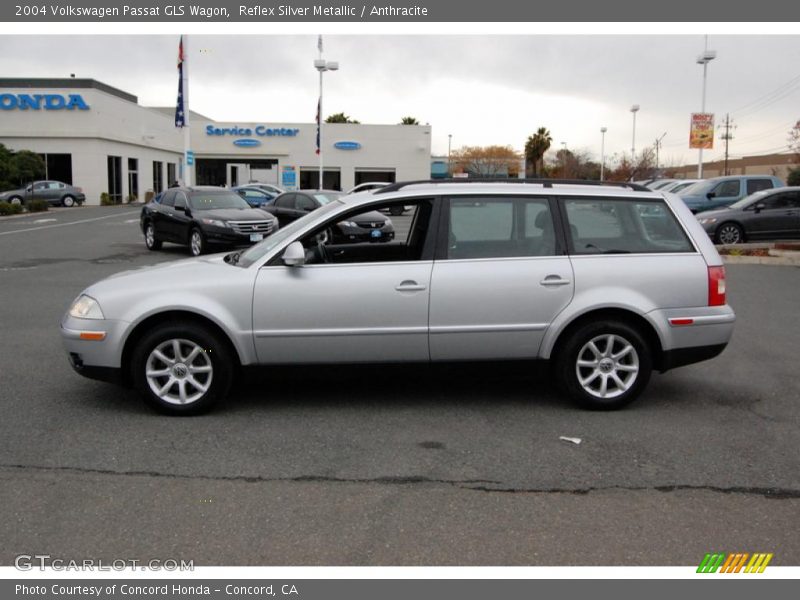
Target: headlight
[707,221]
[388,222]
[86,307]
[215,222]
[347,224]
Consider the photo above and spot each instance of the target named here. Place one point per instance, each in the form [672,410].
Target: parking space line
[70,223]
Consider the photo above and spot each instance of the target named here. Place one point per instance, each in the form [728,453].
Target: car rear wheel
[197,242]
[150,239]
[729,233]
[182,368]
[68,201]
[604,366]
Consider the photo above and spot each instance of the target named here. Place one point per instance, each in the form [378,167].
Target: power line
[769,98]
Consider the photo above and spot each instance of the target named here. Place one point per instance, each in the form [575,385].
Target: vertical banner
[701,132]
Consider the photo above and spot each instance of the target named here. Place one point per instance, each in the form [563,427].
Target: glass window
[727,189]
[304,202]
[168,199]
[780,201]
[611,226]
[285,201]
[756,185]
[500,227]
[180,200]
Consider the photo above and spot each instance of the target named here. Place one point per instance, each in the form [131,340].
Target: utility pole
[727,136]
[658,145]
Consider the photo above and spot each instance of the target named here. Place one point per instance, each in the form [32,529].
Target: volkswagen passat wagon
[608,283]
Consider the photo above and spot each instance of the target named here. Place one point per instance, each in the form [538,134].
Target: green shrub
[105,199]
[6,208]
[794,177]
[37,205]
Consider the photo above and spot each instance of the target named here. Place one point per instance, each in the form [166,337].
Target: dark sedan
[371,226]
[55,193]
[766,215]
[202,216]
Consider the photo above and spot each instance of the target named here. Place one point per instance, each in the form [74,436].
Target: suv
[608,283]
[721,192]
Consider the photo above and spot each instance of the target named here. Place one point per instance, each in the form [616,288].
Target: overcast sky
[481,89]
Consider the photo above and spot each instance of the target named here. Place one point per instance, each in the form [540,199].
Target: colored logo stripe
[734,562]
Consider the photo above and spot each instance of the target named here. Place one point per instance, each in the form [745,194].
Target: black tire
[732,232]
[214,353]
[583,384]
[68,201]
[197,242]
[150,239]
[396,211]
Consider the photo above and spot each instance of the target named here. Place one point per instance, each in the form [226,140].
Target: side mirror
[294,255]
[710,195]
[29,188]
[759,207]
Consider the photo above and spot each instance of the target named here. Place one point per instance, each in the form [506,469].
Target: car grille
[264,227]
[372,224]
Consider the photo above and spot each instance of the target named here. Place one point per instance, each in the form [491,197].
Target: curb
[785,260]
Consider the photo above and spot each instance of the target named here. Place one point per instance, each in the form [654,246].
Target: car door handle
[554,280]
[409,286]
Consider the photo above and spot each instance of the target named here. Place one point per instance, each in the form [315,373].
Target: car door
[161,215]
[39,191]
[350,312]
[500,278]
[779,217]
[283,208]
[725,193]
[180,221]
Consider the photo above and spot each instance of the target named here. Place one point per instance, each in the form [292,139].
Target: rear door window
[756,185]
[621,226]
[727,189]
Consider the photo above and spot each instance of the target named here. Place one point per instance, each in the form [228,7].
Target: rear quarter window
[622,226]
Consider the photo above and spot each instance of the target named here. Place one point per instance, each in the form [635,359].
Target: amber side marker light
[94,336]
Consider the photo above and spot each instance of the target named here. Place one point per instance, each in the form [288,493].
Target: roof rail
[548,183]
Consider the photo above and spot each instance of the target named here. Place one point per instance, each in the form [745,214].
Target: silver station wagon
[607,282]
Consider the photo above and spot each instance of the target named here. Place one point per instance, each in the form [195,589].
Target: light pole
[564,159]
[449,141]
[706,57]
[322,66]
[602,151]
[634,110]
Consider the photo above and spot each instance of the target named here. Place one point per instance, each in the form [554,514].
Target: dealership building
[101,139]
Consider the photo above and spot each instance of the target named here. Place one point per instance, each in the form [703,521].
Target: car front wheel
[150,239]
[604,366]
[182,368]
[15,200]
[68,201]
[729,233]
[197,242]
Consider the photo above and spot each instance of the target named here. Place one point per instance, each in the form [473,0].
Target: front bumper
[85,354]
[357,235]
[226,235]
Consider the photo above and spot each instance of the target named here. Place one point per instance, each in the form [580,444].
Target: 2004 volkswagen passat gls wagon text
[606,282]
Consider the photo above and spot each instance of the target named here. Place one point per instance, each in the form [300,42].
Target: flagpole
[321,171]
[188,169]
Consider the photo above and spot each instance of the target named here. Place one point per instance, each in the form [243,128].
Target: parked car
[200,217]
[660,184]
[766,215]
[676,186]
[267,187]
[255,196]
[720,192]
[567,273]
[370,226]
[56,193]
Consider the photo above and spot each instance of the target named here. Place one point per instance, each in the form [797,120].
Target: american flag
[319,116]
[180,116]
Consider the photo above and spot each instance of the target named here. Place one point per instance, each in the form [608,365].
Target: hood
[171,267]
[370,217]
[233,214]
[11,192]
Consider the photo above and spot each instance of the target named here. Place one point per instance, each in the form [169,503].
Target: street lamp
[322,66]
[634,110]
[706,57]
[564,159]
[602,151]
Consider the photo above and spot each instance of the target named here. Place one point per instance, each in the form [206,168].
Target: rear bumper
[680,357]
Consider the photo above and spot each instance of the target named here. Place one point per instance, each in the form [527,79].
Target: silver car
[608,283]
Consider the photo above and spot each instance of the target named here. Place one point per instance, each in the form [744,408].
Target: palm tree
[535,147]
[341,118]
[409,121]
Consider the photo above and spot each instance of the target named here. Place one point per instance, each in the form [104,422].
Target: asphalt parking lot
[381,465]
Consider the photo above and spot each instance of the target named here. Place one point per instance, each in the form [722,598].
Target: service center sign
[701,133]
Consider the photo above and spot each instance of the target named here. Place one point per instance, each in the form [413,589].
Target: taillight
[716,286]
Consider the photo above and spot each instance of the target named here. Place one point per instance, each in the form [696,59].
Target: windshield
[212,200]
[255,253]
[749,199]
[327,197]
[696,189]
